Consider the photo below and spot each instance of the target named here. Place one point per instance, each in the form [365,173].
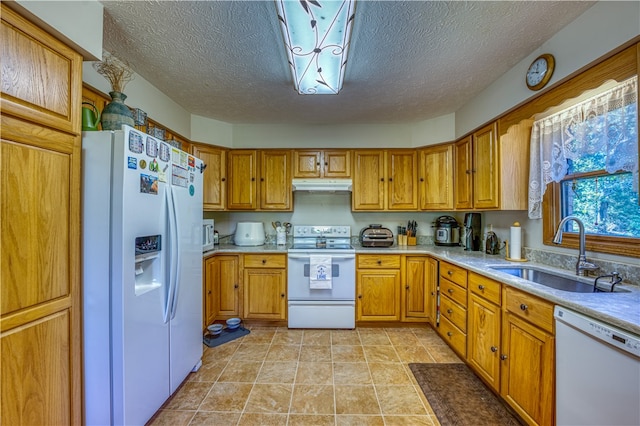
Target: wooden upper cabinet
[368,180]
[242,186]
[463,170]
[215,176]
[275,180]
[477,170]
[385,180]
[402,180]
[486,174]
[435,178]
[41,77]
[319,164]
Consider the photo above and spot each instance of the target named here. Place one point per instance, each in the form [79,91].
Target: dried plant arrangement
[116,71]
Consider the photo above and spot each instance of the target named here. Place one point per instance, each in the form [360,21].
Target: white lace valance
[582,129]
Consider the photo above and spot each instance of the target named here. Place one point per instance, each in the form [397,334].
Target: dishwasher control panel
[609,334]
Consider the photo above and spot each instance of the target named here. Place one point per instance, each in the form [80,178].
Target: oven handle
[333,256]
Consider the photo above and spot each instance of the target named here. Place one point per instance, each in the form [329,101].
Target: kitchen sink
[549,279]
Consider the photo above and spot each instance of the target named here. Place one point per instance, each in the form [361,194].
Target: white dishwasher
[597,372]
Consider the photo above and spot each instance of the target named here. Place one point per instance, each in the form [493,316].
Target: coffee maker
[472,228]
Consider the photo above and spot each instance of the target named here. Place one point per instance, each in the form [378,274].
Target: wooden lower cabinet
[415,303]
[483,339]
[528,357]
[378,281]
[221,288]
[264,287]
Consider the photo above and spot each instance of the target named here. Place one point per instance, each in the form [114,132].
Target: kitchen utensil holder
[411,241]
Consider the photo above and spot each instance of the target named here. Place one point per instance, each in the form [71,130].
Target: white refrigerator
[142,273]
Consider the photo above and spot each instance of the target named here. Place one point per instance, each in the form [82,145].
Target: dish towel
[320,272]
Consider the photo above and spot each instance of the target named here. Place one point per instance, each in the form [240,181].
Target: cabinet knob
[407,286]
[381,179]
[359,296]
[503,357]
[481,287]
[253,179]
[318,163]
[326,164]
[449,273]
[379,262]
[390,179]
[282,295]
[449,311]
[209,292]
[236,286]
[523,306]
[223,179]
[494,349]
[450,290]
[421,179]
[261,179]
[264,261]
[468,172]
[449,333]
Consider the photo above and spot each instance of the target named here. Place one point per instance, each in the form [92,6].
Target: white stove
[321,278]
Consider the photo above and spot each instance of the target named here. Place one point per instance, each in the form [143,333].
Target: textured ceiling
[409,60]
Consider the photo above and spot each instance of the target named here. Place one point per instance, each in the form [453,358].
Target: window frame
[552,215]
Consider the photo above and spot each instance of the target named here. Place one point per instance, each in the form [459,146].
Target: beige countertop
[621,309]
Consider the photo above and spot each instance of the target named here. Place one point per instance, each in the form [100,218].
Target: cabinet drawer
[454,337]
[368,261]
[265,261]
[454,313]
[485,288]
[454,273]
[453,291]
[537,311]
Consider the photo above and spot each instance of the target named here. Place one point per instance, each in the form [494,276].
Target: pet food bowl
[215,329]
[233,323]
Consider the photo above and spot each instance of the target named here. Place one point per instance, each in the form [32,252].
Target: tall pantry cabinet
[40,157]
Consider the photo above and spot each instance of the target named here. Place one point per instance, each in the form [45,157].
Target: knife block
[411,241]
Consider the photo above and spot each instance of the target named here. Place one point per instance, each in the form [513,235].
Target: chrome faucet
[582,266]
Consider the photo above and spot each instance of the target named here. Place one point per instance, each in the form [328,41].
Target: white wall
[211,131]
[77,23]
[602,28]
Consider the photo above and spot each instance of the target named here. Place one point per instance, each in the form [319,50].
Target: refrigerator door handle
[171,258]
[176,254]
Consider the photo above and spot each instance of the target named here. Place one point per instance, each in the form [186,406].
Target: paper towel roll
[515,245]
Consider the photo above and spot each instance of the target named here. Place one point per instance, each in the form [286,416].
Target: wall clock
[540,71]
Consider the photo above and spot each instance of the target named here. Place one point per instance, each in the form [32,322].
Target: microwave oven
[207,234]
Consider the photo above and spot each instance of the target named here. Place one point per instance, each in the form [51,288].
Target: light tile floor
[277,376]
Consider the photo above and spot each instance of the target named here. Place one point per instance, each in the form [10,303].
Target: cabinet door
[275,180]
[226,286]
[436,178]
[402,181]
[208,296]
[242,186]
[378,295]
[483,339]
[527,370]
[463,172]
[432,288]
[307,164]
[265,294]
[416,297]
[337,164]
[485,165]
[368,180]
[215,177]
[40,227]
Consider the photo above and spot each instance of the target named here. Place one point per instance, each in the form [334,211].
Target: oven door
[343,277]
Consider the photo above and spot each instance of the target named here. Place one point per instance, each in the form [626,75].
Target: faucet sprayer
[582,265]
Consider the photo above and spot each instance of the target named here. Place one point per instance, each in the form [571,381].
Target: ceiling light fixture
[316,37]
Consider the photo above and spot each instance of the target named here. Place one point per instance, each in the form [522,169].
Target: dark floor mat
[224,337]
[458,397]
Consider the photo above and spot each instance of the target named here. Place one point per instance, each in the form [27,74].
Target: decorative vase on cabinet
[116,113]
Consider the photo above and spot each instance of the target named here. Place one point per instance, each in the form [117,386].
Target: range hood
[322,185]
